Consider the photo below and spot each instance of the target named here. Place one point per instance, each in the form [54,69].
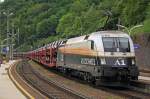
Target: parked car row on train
[106,57]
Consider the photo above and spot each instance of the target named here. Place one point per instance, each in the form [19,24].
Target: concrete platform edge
[19,87]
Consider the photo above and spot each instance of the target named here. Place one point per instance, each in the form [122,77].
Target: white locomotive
[104,56]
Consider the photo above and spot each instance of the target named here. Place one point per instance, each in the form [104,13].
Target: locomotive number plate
[88,61]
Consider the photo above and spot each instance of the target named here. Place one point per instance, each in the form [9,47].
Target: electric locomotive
[106,57]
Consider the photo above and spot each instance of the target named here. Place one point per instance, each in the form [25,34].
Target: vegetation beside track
[42,21]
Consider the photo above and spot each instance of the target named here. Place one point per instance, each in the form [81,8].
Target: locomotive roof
[101,33]
[110,33]
[76,39]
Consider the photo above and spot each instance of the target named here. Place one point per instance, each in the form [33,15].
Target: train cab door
[95,46]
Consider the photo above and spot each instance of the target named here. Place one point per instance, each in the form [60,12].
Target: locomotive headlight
[103,61]
[133,62]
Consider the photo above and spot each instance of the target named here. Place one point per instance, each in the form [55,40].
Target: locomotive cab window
[112,44]
[109,44]
[124,45]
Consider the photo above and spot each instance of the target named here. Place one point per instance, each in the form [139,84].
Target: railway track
[132,92]
[49,88]
[145,72]
[127,92]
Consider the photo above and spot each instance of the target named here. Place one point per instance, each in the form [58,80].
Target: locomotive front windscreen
[116,44]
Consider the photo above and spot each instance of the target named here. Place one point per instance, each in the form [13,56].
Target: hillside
[43,21]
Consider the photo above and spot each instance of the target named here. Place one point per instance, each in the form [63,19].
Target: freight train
[103,57]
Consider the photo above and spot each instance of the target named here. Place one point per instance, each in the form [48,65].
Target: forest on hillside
[42,21]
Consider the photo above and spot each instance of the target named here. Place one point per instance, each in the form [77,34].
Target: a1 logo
[120,62]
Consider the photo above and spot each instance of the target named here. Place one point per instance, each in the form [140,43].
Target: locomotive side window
[92,45]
